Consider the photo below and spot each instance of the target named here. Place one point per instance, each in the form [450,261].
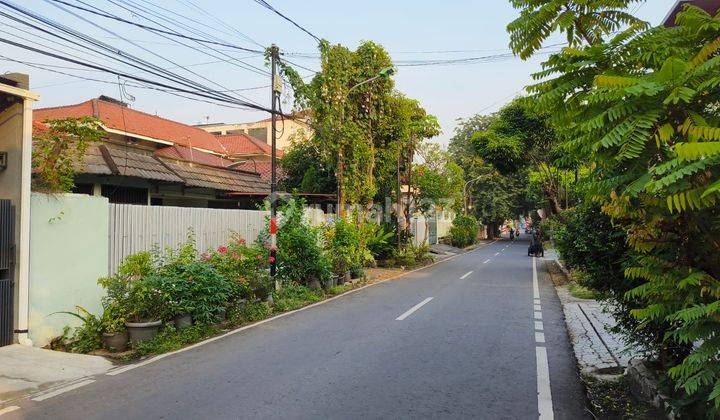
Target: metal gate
[7,256]
[433,234]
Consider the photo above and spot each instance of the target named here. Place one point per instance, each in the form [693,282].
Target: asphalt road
[475,350]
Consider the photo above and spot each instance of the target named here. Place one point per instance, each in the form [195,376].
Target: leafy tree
[304,169]
[58,152]
[582,21]
[640,107]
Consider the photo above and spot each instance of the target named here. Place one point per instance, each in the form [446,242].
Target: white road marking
[284,314]
[497,253]
[536,289]
[538,315]
[536,301]
[63,390]
[9,409]
[539,325]
[537,307]
[539,337]
[545,405]
[486,261]
[413,309]
[464,276]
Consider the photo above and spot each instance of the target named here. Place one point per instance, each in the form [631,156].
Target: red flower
[222,249]
[205,256]
[271,259]
[241,241]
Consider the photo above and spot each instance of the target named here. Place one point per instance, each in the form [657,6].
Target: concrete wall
[68,253]
[11,123]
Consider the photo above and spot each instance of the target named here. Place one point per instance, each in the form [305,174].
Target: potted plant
[146,306]
[114,336]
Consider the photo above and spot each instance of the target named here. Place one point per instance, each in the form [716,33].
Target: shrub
[342,241]
[300,256]
[378,239]
[293,296]
[463,231]
[195,288]
[239,263]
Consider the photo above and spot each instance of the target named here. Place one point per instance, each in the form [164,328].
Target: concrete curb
[125,368]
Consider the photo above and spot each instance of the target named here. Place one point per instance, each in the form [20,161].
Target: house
[710,6]
[147,159]
[15,173]
[287,129]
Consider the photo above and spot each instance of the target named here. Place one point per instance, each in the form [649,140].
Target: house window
[125,195]
[83,189]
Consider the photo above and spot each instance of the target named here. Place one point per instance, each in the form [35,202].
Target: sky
[408,29]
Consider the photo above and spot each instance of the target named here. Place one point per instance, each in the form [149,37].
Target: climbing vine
[58,152]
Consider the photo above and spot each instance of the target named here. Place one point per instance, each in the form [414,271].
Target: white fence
[140,228]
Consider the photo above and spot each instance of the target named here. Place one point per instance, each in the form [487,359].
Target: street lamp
[382,74]
[465,203]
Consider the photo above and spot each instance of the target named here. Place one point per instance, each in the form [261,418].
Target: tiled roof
[192,155]
[243,144]
[220,179]
[118,117]
[264,168]
[140,165]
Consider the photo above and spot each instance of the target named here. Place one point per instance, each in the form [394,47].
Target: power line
[231,60]
[268,6]
[111,52]
[141,47]
[132,77]
[152,29]
[194,5]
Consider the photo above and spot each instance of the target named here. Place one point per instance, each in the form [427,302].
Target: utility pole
[275,88]
[398,198]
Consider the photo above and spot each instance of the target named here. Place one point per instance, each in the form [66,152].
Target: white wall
[68,253]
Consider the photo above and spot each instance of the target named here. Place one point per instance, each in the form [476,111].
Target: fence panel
[136,228]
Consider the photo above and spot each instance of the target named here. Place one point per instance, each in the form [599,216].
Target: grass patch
[581,292]
[293,296]
[171,339]
[613,400]
[290,297]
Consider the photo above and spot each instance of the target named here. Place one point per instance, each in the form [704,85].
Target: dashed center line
[486,261]
[464,276]
[497,253]
[413,309]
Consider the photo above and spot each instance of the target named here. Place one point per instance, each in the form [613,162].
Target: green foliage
[196,289]
[239,263]
[171,339]
[463,231]
[378,240]
[85,338]
[439,180]
[342,241]
[58,152]
[581,21]
[305,170]
[300,254]
[292,296]
[640,107]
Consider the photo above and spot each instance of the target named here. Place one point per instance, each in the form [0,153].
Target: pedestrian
[512,234]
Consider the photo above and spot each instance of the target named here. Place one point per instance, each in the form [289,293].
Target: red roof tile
[243,144]
[264,168]
[118,117]
[191,155]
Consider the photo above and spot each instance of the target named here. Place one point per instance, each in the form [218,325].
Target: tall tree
[640,107]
